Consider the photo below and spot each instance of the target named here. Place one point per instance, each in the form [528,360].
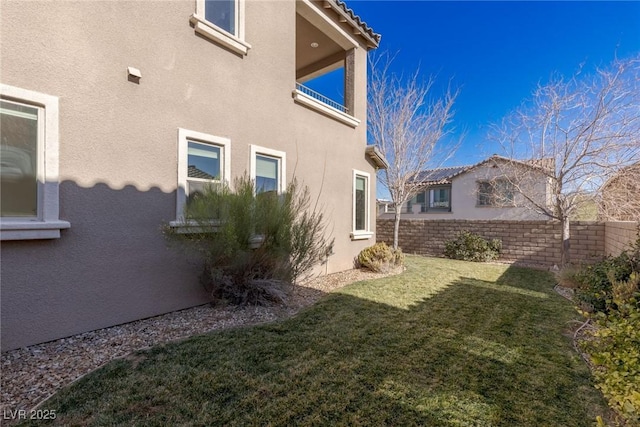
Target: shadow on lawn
[478,352]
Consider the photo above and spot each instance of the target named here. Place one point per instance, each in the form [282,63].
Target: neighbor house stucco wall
[118,151]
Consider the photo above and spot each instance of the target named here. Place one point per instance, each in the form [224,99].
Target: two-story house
[113,112]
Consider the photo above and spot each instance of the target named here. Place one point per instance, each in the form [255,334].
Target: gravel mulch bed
[32,374]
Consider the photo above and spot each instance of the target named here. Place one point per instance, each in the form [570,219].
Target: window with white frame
[222,14]
[222,21]
[29,208]
[361,212]
[203,160]
[435,199]
[268,169]
[440,198]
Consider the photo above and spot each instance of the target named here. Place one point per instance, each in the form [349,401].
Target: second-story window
[222,13]
[222,22]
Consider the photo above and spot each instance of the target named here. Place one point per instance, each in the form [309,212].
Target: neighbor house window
[268,169]
[440,198]
[222,21]
[436,199]
[203,160]
[498,192]
[361,214]
[29,184]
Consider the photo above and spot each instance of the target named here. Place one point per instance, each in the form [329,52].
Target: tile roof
[444,175]
[356,21]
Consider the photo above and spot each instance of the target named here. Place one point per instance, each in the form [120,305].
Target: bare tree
[579,131]
[407,124]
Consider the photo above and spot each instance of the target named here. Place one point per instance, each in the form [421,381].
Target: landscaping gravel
[32,374]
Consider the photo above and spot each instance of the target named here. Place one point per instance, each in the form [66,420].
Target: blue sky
[496,52]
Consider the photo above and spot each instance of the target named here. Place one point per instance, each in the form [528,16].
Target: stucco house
[479,191]
[114,112]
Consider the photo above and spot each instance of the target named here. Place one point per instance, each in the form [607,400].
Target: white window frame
[366,233]
[431,196]
[255,150]
[209,30]
[184,136]
[47,224]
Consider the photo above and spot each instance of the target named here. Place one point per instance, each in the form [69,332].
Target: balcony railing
[320,97]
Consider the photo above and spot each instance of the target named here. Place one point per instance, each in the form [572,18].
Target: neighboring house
[480,191]
[384,206]
[620,196]
[113,113]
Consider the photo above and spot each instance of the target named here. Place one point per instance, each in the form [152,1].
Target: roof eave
[360,28]
[376,157]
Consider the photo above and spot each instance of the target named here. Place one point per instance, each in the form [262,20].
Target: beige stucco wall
[118,150]
[464,199]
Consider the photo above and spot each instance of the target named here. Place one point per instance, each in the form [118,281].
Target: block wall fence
[618,236]
[523,242]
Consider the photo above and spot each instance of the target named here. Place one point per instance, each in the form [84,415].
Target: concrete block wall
[524,242]
[619,236]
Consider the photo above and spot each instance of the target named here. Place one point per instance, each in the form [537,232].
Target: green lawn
[447,343]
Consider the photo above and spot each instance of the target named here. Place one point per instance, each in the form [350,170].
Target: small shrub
[398,257]
[567,276]
[468,246]
[378,257]
[596,281]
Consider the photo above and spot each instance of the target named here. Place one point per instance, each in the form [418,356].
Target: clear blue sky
[496,52]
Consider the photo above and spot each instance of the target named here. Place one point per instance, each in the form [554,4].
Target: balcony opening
[327,88]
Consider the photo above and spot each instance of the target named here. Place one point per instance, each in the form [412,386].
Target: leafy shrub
[252,246]
[612,287]
[380,257]
[596,281]
[468,246]
[615,351]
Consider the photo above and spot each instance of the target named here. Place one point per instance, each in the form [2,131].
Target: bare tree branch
[407,124]
[587,126]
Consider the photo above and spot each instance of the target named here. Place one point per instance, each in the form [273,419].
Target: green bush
[615,351]
[612,288]
[380,257]
[595,282]
[253,247]
[468,246]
